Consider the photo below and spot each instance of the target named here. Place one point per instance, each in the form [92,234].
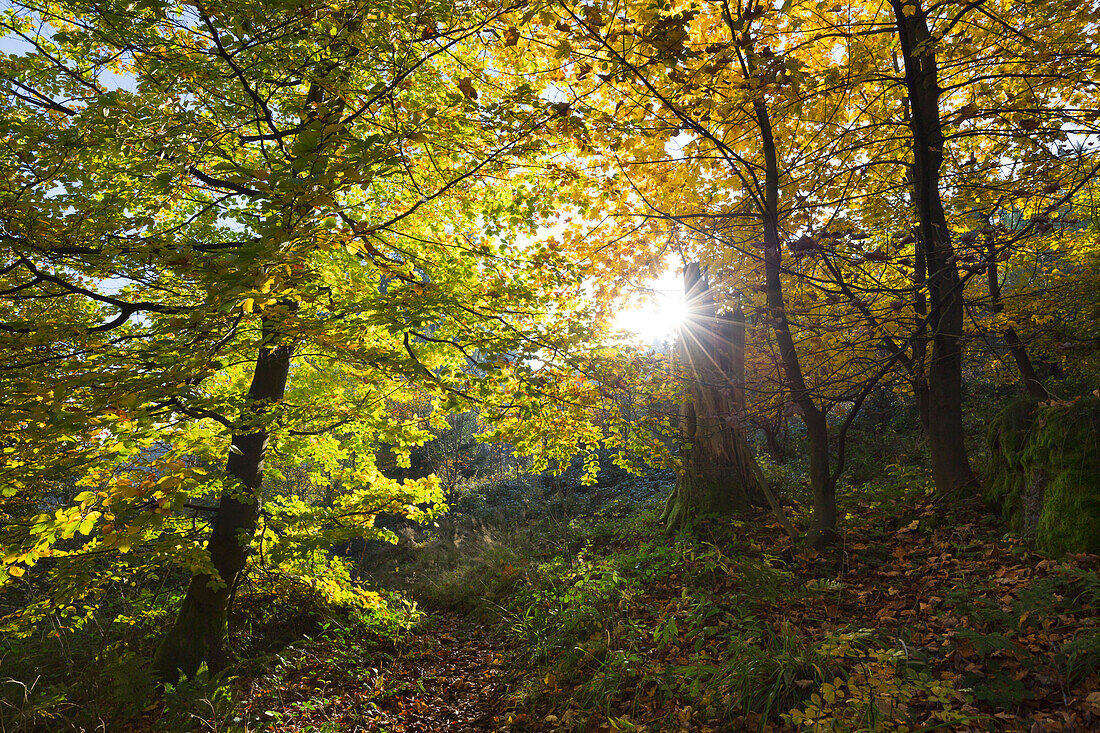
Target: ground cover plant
[590,615]
[918,624]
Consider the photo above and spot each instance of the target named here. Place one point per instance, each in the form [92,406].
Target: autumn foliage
[281,280]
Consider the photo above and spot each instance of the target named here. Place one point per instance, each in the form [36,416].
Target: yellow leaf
[909,9]
[246,305]
[15,571]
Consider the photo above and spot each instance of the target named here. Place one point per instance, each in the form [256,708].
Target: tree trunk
[823,523]
[1016,347]
[720,474]
[199,634]
[919,363]
[771,439]
[946,445]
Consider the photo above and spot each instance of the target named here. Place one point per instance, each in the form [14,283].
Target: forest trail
[444,678]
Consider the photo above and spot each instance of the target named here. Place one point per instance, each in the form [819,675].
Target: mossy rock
[1006,478]
[1044,472]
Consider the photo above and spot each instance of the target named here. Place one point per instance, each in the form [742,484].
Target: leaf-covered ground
[921,619]
[446,677]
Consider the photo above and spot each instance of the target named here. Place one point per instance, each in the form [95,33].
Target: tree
[716,134]
[946,444]
[242,229]
[846,175]
[718,473]
[201,627]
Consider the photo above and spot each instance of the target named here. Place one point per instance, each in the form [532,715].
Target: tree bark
[946,445]
[919,362]
[823,523]
[720,474]
[776,449]
[1028,376]
[199,634]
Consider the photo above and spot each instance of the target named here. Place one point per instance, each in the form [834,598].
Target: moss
[1067,440]
[1043,472]
[1006,477]
[196,638]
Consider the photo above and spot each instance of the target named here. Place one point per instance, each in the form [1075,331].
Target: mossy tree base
[713,489]
[197,638]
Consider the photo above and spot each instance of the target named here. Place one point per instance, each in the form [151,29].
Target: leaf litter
[1001,635]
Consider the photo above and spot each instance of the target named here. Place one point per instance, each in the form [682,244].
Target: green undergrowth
[925,616]
[1031,629]
[478,552]
[93,671]
[692,633]
[318,673]
[593,623]
[921,619]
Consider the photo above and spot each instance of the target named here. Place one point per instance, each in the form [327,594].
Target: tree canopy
[244,240]
[188,187]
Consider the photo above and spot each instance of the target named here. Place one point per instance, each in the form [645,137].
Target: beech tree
[237,229]
[848,141]
[718,473]
[714,131]
[986,95]
[229,231]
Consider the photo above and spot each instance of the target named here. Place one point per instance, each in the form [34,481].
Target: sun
[655,312]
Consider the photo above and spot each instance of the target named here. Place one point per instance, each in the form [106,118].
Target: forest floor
[540,608]
[921,619]
[446,677]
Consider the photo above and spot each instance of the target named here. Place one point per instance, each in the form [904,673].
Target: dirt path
[445,679]
[448,683]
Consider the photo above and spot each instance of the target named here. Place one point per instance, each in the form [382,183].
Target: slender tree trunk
[1015,345]
[946,445]
[919,363]
[823,523]
[771,437]
[199,633]
[720,474]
